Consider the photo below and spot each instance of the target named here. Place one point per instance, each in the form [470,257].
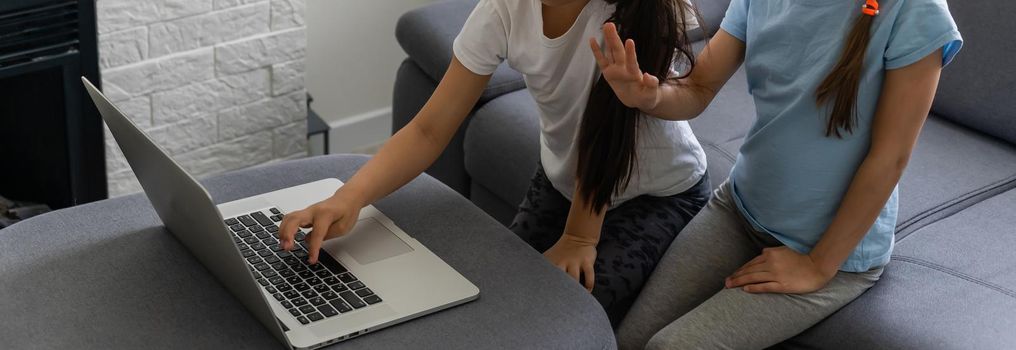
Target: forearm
[583,223]
[682,100]
[404,157]
[867,194]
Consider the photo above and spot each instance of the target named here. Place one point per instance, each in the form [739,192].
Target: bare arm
[681,100]
[407,154]
[906,98]
[575,251]
[903,106]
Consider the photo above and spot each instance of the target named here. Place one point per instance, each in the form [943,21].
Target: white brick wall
[217,83]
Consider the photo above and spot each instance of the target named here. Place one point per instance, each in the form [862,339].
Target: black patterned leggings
[633,239]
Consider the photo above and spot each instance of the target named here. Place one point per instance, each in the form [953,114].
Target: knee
[674,337]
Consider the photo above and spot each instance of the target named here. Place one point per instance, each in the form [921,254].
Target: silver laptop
[374,277]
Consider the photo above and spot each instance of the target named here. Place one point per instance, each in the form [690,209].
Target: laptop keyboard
[311,293]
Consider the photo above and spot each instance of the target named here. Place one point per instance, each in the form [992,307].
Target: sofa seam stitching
[954,273]
[722,151]
[946,205]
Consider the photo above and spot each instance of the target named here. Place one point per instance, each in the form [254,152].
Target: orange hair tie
[870,8]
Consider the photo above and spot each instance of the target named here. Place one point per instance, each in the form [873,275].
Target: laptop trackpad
[370,242]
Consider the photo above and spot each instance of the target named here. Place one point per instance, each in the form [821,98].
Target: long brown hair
[841,85]
[609,130]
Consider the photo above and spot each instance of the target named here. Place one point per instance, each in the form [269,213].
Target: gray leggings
[684,304]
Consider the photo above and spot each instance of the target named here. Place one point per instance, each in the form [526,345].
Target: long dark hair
[840,86]
[609,130]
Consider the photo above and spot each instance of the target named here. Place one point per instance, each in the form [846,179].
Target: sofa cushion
[977,89]
[950,285]
[426,34]
[502,145]
[951,168]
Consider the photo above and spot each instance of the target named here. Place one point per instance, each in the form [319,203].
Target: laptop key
[294,279]
[237,227]
[275,211]
[321,288]
[254,259]
[257,245]
[324,273]
[275,247]
[347,278]
[294,312]
[269,273]
[299,301]
[341,306]
[314,317]
[262,234]
[287,273]
[247,253]
[352,299]
[316,267]
[272,229]
[276,280]
[231,222]
[327,310]
[330,263]
[279,296]
[244,233]
[306,274]
[277,218]
[284,287]
[299,268]
[284,254]
[340,288]
[251,240]
[302,320]
[313,281]
[237,240]
[300,253]
[291,294]
[261,266]
[317,301]
[271,259]
[355,285]
[307,309]
[364,292]
[271,289]
[331,281]
[300,287]
[287,304]
[262,281]
[329,295]
[309,294]
[247,221]
[261,218]
[258,229]
[372,299]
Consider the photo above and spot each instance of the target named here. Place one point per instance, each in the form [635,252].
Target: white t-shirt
[560,73]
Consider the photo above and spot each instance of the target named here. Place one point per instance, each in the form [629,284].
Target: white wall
[218,84]
[352,57]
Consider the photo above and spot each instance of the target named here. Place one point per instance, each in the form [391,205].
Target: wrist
[578,239]
[349,195]
[826,266]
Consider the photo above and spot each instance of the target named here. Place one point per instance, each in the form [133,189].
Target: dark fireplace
[51,140]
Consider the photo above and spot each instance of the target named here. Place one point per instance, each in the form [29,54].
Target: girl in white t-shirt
[614,186]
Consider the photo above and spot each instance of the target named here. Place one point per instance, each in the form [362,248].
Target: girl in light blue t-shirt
[805,222]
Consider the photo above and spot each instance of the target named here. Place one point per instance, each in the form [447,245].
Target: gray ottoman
[108,275]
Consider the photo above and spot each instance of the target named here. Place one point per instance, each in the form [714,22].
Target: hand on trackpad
[369,242]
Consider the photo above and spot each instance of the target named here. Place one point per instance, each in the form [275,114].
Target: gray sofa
[952,279]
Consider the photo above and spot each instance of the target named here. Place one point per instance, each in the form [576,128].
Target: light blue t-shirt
[789,177]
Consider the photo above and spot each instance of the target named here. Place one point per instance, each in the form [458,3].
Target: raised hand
[620,67]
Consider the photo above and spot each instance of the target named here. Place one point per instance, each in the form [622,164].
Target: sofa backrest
[711,13]
[978,89]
